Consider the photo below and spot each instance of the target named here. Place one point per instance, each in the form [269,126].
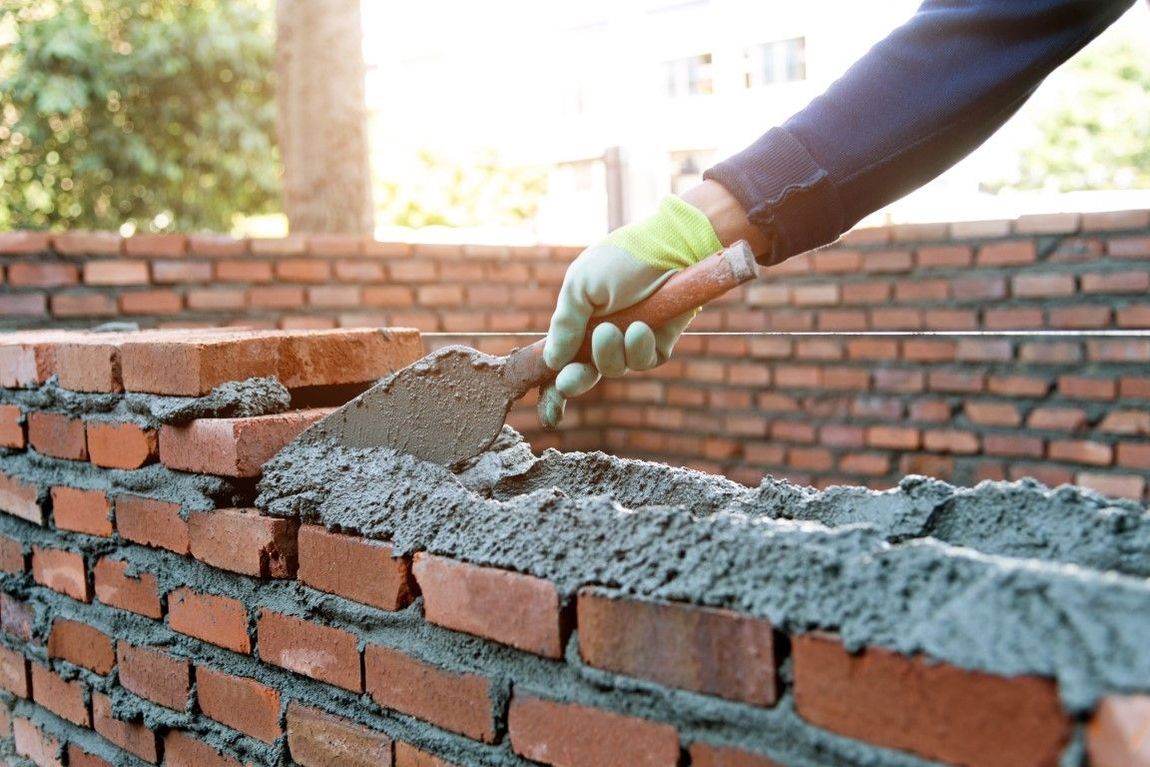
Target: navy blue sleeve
[918,102]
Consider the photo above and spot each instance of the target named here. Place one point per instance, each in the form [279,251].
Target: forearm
[727,216]
[914,105]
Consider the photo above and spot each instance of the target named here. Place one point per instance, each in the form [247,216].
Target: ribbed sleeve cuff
[785,192]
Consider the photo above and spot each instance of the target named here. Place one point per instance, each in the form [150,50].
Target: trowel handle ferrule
[682,292]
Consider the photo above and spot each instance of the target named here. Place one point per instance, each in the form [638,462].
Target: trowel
[450,405]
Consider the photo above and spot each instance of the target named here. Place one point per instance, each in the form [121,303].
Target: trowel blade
[446,407]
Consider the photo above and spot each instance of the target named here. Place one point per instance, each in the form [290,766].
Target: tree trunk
[322,116]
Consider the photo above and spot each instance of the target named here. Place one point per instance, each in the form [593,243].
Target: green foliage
[474,191]
[1099,135]
[158,114]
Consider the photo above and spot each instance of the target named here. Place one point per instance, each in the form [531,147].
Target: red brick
[834,260]
[390,296]
[1116,282]
[1018,385]
[1114,485]
[61,571]
[305,270]
[1012,319]
[1082,387]
[993,413]
[569,735]
[63,698]
[195,364]
[1129,247]
[11,555]
[934,710]
[809,459]
[243,271]
[217,299]
[152,522]
[83,304]
[133,737]
[962,381]
[459,702]
[407,755]
[1048,223]
[78,757]
[321,652]
[115,587]
[57,435]
[1057,419]
[866,464]
[154,675]
[216,245]
[276,297]
[1134,456]
[83,511]
[319,739]
[1046,352]
[1007,253]
[217,619]
[950,441]
[930,410]
[1125,422]
[353,567]
[1134,317]
[42,749]
[22,243]
[1115,220]
[15,676]
[894,437]
[1079,317]
[20,499]
[145,302]
[182,749]
[334,296]
[712,651]
[232,447]
[116,272]
[1118,734]
[1113,350]
[240,703]
[171,272]
[244,541]
[23,304]
[43,274]
[82,645]
[512,608]
[944,256]
[320,358]
[1042,285]
[1136,388]
[12,427]
[83,243]
[1018,445]
[709,755]
[1081,451]
[121,445]
[90,363]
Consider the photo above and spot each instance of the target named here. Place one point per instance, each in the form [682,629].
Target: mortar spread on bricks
[1005,578]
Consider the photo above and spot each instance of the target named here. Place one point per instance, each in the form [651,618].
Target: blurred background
[506,121]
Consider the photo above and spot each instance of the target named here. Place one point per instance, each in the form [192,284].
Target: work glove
[629,265]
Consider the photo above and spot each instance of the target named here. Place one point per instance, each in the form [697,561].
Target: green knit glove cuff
[675,237]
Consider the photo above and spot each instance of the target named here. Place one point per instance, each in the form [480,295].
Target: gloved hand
[629,265]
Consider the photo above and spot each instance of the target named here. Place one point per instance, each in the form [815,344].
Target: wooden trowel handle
[684,291]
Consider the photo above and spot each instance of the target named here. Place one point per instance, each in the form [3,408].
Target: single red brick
[866,464]
[459,702]
[959,381]
[216,299]
[83,511]
[11,555]
[78,757]
[1082,387]
[1114,485]
[944,256]
[710,755]
[241,703]
[512,608]
[193,365]
[321,652]
[1007,253]
[244,271]
[1125,422]
[978,288]
[182,749]
[1116,282]
[23,304]
[15,676]
[122,445]
[154,675]
[904,381]
[232,447]
[42,749]
[216,245]
[276,297]
[43,274]
[22,243]
[217,619]
[152,522]
[244,541]
[1136,388]
[1134,456]
[303,270]
[164,245]
[1042,285]
[1129,247]
[353,567]
[950,441]
[325,357]
[138,594]
[12,427]
[1018,445]
[707,650]
[133,737]
[407,755]
[57,435]
[1119,732]
[116,272]
[83,304]
[319,739]
[66,699]
[171,272]
[61,571]
[82,645]
[144,302]
[90,363]
[20,499]
[1081,451]
[934,710]
[1018,385]
[569,735]
[894,437]
[993,413]
[1057,418]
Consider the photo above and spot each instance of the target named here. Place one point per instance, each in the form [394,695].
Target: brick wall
[150,613]
[816,409]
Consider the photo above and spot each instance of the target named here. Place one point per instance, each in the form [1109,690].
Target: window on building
[689,76]
[779,61]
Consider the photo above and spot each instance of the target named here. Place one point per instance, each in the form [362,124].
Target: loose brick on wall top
[232,447]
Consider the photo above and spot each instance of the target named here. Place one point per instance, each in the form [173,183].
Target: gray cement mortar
[1003,578]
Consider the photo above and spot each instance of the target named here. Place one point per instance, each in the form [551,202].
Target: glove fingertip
[550,407]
